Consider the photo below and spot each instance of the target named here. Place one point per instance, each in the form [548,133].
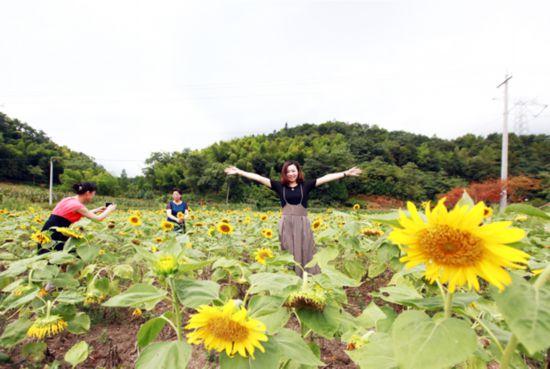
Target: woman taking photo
[295,234]
[70,210]
[177,211]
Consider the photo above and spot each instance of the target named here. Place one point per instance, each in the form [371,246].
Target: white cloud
[119,80]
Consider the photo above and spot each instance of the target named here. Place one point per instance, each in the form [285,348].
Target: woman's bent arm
[88,214]
[170,216]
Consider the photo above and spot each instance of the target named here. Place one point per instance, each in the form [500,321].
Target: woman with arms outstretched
[295,234]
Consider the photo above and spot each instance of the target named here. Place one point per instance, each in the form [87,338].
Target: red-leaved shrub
[518,189]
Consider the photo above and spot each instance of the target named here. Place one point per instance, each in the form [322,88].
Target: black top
[293,194]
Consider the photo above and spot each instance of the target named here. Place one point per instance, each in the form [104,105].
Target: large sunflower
[69,232]
[41,237]
[225,228]
[456,247]
[167,226]
[262,254]
[317,224]
[226,328]
[134,220]
[267,233]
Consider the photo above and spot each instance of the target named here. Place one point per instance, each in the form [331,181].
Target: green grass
[21,196]
[16,196]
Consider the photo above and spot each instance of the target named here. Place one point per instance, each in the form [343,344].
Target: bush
[519,189]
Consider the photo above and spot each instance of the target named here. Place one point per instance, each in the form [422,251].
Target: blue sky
[121,79]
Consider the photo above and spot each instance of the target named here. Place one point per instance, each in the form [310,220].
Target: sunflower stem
[447,300]
[448,304]
[284,364]
[508,351]
[543,277]
[175,307]
[170,322]
[247,295]
[48,309]
[489,331]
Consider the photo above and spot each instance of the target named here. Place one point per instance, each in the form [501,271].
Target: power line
[524,113]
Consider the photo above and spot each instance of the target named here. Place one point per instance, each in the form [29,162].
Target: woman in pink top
[70,210]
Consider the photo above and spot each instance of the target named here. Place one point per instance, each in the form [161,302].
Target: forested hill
[25,156]
[396,163]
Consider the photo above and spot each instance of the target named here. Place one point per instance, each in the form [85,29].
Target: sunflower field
[424,287]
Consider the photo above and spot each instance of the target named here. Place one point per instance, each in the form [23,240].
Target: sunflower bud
[308,298]
[166,265]
[46,327]
[137,313]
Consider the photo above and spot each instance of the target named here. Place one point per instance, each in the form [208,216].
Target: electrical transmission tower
[526,110]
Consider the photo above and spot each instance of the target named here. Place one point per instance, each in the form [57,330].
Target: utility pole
[227,194]
[504,154]
[51,181]
[51,178]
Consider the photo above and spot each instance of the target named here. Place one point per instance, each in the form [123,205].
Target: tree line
[396,164]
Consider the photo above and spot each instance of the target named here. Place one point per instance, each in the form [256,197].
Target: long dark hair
[284,179]
[83,187]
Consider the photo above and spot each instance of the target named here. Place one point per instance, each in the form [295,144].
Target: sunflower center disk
[227,330]
[450,246]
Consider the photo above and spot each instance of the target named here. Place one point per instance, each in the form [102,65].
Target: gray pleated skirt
[296,236]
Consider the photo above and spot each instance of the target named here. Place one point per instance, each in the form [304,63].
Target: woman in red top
[70,210]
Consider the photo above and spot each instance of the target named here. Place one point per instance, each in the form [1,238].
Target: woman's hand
[111,207]
[353,172]
[231,170]
[99,210]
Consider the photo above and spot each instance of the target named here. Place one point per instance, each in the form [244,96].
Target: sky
[121,79]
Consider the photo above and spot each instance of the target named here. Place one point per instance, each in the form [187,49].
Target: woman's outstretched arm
[253,176]
[353,172]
